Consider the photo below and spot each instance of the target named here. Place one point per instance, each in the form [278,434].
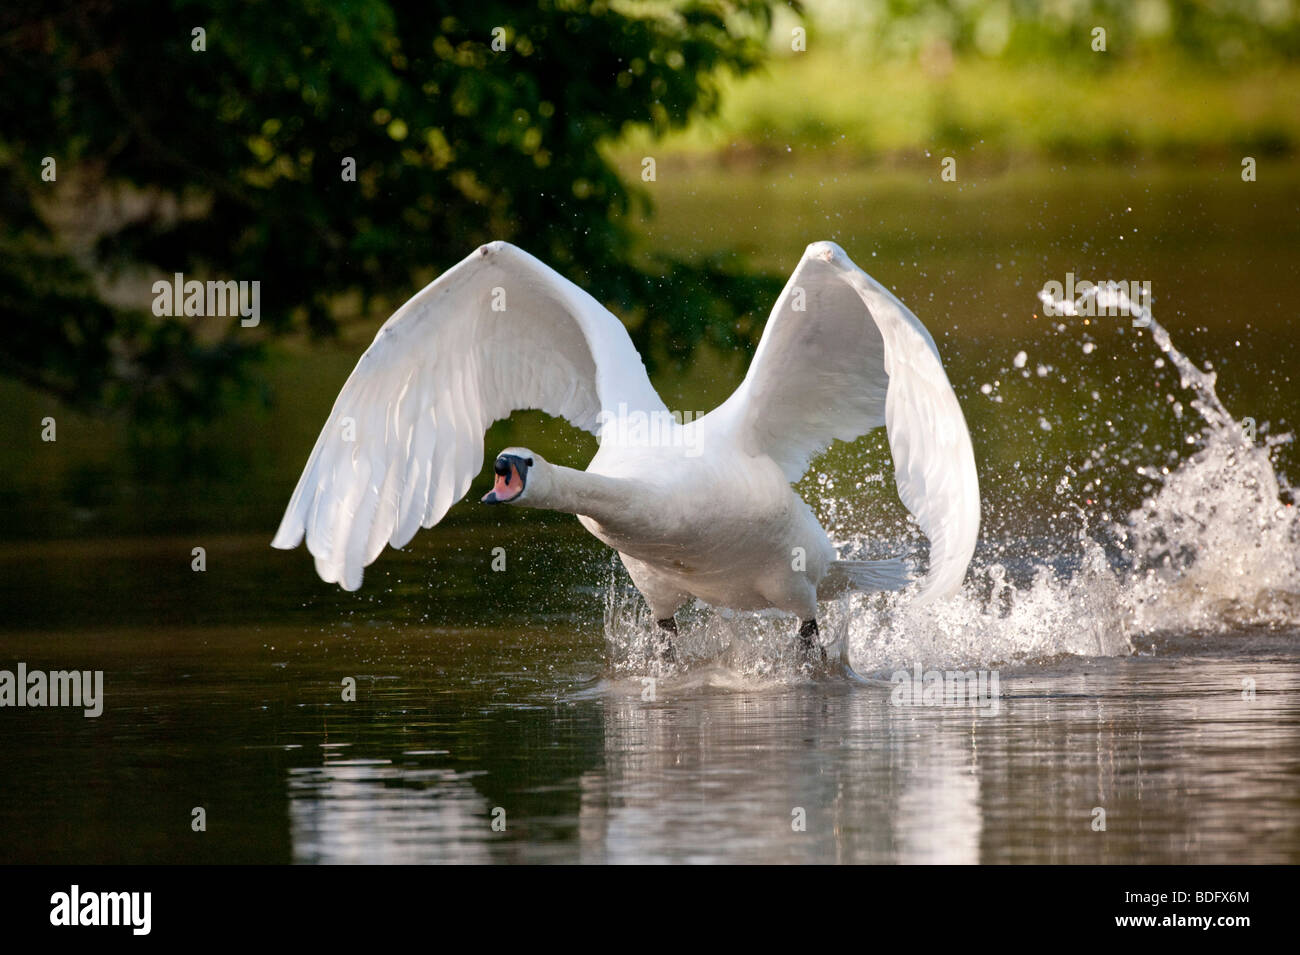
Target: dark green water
[478,691]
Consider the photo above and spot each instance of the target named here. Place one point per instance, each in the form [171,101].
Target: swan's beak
[512,477]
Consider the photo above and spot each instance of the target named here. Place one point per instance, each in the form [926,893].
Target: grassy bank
[832,102]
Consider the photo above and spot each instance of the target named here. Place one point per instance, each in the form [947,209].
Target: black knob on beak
[512,477]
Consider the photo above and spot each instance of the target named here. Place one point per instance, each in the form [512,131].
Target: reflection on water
[1185,770]
[248,721]
[370,810]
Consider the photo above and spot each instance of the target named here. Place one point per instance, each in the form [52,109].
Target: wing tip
[825,249]
[288,536]
[947,574]
[934,591]
[332,572]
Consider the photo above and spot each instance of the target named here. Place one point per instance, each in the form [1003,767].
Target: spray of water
[1215,549]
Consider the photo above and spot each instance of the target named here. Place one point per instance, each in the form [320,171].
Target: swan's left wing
[496,333]
[841,356]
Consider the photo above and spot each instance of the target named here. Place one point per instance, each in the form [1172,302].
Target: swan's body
[703,509]
[725,534]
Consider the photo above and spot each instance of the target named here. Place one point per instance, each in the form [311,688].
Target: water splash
[713,647]
[1218,546]
[1215,548]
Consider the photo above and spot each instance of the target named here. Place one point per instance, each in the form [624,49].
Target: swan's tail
[846,575]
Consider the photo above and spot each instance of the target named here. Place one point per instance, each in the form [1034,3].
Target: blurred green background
[771,126]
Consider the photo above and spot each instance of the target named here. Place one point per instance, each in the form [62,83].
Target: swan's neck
[596,496]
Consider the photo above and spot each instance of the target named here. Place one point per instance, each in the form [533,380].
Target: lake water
[1136,593]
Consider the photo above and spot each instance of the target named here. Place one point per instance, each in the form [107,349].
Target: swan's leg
[669,627]
[662,597]
[808,645]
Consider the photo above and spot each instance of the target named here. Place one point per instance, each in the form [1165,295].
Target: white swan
[702,509]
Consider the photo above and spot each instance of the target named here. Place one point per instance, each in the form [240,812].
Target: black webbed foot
[666,652]
[809,648]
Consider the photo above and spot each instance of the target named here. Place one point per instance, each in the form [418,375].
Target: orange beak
[509,483]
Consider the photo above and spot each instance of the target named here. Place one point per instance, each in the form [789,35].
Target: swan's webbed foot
[665,648]
[809,649]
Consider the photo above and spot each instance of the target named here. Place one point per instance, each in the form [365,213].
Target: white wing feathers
[840,356]
[496,333]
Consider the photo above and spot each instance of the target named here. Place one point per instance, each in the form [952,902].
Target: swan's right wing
[496,333]
[841,356]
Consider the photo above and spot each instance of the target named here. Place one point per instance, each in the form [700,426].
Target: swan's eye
[529,462]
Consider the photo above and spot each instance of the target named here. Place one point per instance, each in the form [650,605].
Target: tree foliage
[233,155]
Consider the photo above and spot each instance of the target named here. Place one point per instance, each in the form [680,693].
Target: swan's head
[513,467]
